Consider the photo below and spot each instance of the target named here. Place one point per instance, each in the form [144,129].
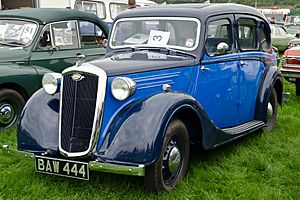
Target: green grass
[259,166]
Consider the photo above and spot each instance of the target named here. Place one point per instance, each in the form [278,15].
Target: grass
[259,166]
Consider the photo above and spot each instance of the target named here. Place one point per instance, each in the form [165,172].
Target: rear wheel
[11,104]
[297,88]
[271,114]
[173,160]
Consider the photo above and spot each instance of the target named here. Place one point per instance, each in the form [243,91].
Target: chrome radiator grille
[78,107]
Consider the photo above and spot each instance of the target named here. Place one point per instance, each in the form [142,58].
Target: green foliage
[259,166]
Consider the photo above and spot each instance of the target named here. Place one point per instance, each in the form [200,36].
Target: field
[259,166]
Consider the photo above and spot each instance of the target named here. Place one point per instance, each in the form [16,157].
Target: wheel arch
[18,88]
[189,116]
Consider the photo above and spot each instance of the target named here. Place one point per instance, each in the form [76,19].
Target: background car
[107,10]
[294,43]
[36,41]
[291,66]
[293,28]
[280,38]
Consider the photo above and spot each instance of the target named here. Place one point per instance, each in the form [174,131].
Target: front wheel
[173,160]
[271,114]
[11,104]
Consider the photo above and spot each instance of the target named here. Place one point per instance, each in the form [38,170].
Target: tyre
[11,105]
[297,88]
[173,160]
[271,114]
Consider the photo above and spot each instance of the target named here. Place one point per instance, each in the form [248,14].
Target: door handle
[204,68]
[80,56]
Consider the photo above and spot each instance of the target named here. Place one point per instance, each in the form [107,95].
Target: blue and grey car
[173,75]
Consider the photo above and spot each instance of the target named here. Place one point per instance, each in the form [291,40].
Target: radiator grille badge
[77,77]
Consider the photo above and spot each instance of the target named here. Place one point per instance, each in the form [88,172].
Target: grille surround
[89,70]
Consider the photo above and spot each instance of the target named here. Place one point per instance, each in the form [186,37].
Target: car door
[58,47]
[91,38]
[250,43]
[217,79]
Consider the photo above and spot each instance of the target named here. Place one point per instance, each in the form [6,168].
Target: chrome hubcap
[7,114]
[174,159]
[269,111]
[171,161]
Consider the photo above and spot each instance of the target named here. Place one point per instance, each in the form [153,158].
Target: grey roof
[190,10]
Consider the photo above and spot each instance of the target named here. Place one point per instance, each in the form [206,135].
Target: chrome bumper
[93,165]
[289,73]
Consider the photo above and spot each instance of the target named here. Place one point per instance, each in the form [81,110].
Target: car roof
[49,15]
[198,10]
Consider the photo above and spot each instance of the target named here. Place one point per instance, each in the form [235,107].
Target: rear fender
[271,79]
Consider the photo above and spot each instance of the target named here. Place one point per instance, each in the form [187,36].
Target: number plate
[68,168]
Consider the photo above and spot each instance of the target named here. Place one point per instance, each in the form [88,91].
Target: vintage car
[291,66]
[294,43]
[107,10]
[280,37]
[174,75]
[35,41]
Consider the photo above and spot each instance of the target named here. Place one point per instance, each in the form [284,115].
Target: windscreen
[17,32]
[180,33]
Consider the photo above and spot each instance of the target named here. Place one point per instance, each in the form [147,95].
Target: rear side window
[264,37]
[91,35]
[247,37]
[218,31]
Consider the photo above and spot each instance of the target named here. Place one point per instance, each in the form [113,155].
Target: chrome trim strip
[102,80]
[157,18]
[117,169]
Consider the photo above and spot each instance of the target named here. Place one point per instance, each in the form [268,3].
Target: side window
[116,8]
[264,37]
[282,31]
[91,35]
[247,34]
[65,35]
[218,32]
[45,40]
[98,8]
[277,31]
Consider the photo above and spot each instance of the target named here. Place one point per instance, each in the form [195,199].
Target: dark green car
[36,41]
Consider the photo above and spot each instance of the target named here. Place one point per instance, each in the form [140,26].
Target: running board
[252,125]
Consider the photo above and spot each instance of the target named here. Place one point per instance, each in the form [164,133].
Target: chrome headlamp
[51,82]
[122,88]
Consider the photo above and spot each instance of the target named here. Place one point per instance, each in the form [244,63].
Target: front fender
[38,128]
[26,77]
[137,132]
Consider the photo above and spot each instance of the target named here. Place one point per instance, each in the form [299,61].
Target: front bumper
[138,170]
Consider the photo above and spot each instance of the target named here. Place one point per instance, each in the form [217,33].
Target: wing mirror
[222,48]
